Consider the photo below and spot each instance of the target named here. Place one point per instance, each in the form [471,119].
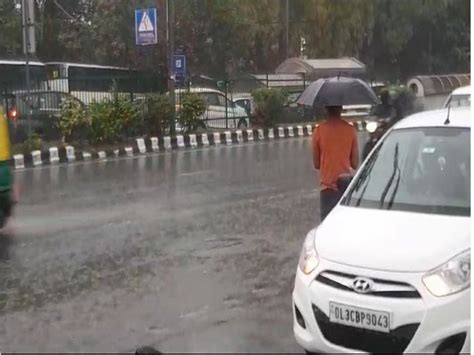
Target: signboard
[146,32]
[179,65]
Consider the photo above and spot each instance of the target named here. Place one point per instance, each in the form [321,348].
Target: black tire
[201,125]
[242,124]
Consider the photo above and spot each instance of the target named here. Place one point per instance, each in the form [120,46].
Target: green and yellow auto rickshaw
[6,176]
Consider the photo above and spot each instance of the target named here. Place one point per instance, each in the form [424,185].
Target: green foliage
[29,145]
[112,120]
[106,121]
[395,38]
[159,111]
[269,104]
[10,24]
[192,108]
[74,119]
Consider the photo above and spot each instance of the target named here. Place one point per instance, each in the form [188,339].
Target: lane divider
[70,154]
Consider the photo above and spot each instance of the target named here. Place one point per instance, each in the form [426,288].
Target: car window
[49,101]
[211,99]
[31,101]
[420,170]
[222,101]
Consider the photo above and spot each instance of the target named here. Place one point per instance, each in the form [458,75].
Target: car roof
[458,117]
[200,90]
[465,90]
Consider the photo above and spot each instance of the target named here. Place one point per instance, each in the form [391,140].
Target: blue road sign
[180,65]
[146,31]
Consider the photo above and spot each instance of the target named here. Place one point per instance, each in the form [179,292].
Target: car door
[215,112]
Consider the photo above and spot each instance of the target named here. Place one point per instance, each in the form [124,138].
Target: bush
[113,120]
[269,104]
[29,145]
[191,110]
[159,111]
[74,120]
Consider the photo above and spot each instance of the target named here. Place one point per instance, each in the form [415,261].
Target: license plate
[359,317]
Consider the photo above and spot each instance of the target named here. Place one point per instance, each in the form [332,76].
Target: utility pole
[29,43]
[287,28]
[284,29]
[170,21]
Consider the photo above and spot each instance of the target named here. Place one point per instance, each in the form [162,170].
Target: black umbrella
[338,91]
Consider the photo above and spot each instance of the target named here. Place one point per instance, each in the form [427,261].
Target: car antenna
[447,118]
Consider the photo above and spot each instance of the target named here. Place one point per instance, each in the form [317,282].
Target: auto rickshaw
[6,176]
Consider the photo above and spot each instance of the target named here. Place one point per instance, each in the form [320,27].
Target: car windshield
[460,100]
[423,170]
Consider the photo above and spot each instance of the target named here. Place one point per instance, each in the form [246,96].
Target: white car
[389,268]
[459,97]
[216,107]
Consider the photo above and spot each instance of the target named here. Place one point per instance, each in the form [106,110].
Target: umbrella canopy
[338,91]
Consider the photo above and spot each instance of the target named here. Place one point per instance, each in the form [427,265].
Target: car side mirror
[343,182]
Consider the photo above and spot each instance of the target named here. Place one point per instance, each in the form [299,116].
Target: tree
[10,34]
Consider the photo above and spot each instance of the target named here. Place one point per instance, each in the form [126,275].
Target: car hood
[391,240]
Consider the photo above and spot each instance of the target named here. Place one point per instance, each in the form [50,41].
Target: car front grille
[370,341]
[381,288]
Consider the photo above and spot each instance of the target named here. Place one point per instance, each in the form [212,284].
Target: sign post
[146,31]
[179,61]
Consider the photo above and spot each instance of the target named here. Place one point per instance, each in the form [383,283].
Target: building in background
[314,69]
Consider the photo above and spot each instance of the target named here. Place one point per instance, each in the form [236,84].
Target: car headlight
[452,277]
[309,259]
[371,127]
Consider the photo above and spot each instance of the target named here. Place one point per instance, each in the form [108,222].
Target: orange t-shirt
[336,139]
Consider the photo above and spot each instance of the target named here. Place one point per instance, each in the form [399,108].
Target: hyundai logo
[362,285]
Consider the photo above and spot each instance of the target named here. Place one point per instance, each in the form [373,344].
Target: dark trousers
[329,199]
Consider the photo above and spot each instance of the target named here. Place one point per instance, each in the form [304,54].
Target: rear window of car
[423,170]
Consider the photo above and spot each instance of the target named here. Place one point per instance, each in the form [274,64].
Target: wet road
[187,251]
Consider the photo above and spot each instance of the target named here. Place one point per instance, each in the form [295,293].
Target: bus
[13,76]
[90,82]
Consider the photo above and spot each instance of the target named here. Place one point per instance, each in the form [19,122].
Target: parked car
[245,103]
[388,271]
[216,106]
[39,109]
[459,97]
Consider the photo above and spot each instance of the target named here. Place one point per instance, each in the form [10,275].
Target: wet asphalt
[190,250]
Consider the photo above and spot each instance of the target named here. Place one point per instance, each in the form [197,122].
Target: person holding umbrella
[335,152]
[335,146]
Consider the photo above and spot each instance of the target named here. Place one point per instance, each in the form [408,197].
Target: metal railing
[229,103]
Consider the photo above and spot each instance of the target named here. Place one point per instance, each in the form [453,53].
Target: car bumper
[425,322]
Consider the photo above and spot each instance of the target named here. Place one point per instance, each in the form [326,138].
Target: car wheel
[242,124]
[201,125]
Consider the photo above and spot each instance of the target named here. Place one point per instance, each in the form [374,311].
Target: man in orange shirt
[335,152]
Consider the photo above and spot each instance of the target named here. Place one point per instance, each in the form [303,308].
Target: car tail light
[12,114]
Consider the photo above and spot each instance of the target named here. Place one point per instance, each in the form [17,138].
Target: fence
[228,102]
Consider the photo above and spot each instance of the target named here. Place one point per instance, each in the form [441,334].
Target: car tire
[201,125]
[242,124]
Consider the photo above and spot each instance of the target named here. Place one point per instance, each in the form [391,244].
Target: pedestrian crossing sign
[146,32]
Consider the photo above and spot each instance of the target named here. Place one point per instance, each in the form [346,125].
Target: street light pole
[170,20]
